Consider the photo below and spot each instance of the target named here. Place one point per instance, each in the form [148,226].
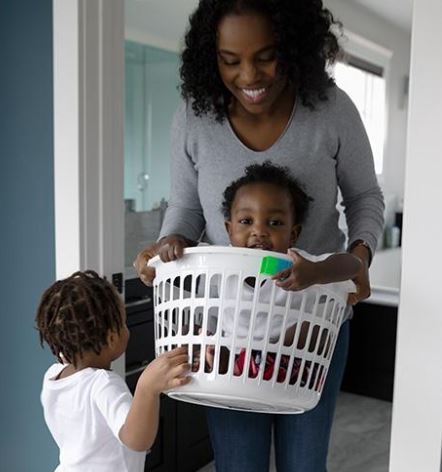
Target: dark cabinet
[371,357]
[182,444]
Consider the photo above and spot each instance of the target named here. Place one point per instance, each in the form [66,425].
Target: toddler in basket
[89,410]
[264,209]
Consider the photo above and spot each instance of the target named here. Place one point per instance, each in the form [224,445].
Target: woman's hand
[168,248]
[362,279]
[146,273]
[172,247]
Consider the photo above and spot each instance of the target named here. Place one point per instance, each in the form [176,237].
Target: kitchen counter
[130,273]
[385,277]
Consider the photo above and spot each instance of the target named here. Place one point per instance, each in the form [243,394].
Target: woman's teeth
[254,94]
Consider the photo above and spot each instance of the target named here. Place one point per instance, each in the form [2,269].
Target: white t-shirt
[84,413]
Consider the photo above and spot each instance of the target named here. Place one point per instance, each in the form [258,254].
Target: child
[264,209]
[88,408]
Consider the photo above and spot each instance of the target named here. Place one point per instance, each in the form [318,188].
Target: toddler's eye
[245,221]
[276,223]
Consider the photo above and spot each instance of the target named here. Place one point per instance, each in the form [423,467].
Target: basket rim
[232,250]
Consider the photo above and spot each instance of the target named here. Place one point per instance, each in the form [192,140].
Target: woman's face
[247,62]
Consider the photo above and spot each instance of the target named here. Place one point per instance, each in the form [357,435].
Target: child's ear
[228,226]
[111,338]
[296,231]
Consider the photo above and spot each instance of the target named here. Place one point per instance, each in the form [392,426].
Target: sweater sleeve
[362,197]
[184,214]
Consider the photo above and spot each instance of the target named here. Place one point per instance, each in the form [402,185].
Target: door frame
[88,150]
[88,77]
[88,135]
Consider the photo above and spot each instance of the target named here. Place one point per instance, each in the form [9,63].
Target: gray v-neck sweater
[324,149]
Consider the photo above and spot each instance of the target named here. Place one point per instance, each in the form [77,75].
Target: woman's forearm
[338,267]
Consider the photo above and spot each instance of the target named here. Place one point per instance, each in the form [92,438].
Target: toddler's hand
[302,274]
[167,371]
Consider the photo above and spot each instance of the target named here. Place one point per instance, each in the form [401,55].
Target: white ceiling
[163,22]
[398,12]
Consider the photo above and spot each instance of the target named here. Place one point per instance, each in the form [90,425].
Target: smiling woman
[252,77]
[256,87]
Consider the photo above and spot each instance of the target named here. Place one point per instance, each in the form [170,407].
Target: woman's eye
[266,58]
[229,62]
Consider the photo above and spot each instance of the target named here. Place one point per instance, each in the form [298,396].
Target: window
[364,82]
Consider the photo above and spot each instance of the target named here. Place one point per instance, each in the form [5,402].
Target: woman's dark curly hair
[76,314]
[268,173]
[305,45]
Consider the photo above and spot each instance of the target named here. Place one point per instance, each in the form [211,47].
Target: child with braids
[89,410]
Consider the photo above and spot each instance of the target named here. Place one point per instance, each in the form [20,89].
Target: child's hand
[302,274]
[167,371]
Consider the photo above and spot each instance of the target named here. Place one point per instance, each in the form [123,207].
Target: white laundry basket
[220,303]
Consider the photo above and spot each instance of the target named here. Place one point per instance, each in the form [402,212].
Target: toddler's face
[262,217]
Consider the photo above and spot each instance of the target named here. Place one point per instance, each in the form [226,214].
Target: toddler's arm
[304,273]
[167,371]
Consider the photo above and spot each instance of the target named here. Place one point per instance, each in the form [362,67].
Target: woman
[256,87]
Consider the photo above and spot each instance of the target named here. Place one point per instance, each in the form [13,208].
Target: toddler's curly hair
[306,38]
[76,314]
[268,173]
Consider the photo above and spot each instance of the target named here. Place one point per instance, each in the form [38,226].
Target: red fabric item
[255,361]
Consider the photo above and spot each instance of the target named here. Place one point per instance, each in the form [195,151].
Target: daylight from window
[367,91]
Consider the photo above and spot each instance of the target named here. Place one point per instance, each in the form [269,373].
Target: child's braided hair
[76,314]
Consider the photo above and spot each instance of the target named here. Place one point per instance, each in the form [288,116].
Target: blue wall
[27,227]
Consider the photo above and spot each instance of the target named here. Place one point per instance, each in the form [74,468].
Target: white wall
[417,405]
[361,21]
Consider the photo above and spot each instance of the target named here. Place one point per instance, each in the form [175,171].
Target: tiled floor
[360,437]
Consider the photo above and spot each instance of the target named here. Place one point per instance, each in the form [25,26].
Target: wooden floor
[360,438]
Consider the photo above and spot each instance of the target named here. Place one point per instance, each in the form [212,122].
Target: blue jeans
[241,441]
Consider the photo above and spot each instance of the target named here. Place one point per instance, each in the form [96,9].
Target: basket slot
[198,315]
[212,320]
[160,292]
[201,288]
[184,321]
[167,291]
[187,286]
[304,333]
[196,357]
[328,345]
[176,288]
[323,338]
[230,291]
[173,322]
[215,285]
[266,368]
[257,284]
